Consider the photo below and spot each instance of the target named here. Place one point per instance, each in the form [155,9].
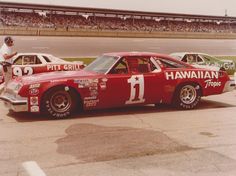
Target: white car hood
[208,67]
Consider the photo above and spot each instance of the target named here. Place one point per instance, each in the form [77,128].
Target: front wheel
[187,96]
[59,103]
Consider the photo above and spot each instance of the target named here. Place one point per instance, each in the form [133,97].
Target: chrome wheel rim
[188,94]
[60,101]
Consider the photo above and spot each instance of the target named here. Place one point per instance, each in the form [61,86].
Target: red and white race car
[116,80]
[32,63]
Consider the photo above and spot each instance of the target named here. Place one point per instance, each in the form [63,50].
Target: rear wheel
[187,96]
[59,103]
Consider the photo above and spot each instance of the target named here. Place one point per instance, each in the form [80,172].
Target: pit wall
[21,31]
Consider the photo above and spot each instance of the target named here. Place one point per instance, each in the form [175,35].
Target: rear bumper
[229,86]
[17,105]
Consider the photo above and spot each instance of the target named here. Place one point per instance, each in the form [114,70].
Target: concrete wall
[108,33]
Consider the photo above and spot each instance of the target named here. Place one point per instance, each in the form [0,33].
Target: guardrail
[108,33]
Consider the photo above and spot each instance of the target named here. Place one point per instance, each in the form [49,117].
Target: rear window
[170,64]
[46,59]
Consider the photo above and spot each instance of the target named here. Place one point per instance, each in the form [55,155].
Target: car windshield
[102,64]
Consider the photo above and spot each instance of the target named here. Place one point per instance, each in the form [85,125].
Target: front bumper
[17,104]
[229,86]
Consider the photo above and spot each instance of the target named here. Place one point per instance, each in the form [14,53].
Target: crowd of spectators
[73,22]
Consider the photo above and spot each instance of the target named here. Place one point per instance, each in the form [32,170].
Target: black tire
[187,96]
[59,103]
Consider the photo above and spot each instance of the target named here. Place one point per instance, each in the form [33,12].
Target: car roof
[182,54]
[122,54]
[18,54]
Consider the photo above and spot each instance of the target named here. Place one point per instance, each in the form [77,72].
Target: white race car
[202,60]
[32,63]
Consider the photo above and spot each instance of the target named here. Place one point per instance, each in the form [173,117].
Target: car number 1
[137,89]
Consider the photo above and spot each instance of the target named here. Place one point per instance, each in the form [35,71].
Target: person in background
[6,55]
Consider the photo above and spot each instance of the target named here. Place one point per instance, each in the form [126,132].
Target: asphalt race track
[138,141]
[134,141]
[80,47]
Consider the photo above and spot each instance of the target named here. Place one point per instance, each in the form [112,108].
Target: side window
[207,58]
[120,68]
[199,59]
[46,59]
[31,60]
[191,58]
[184,58]
[134,65]
[140,65]
[18,61]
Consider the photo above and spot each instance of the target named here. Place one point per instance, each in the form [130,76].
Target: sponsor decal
[82,83]
[225,65]
[85,83]
[34,109]
[53,67]
[67,67]
[93,93]
[93,88]
[91,103]
[103,83]
[104,79]
[91,84]
[71,67]
[34,86]
[171,75]
[34,101]
[34,91]
[90,98]
[210,83]
[61,80]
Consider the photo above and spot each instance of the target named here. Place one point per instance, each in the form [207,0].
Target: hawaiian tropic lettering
[191,74]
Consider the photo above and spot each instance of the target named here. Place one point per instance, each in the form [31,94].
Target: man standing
[6,55]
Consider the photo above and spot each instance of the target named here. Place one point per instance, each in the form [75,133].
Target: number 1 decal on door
[137,89]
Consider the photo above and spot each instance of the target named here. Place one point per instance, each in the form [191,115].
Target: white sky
[204,7]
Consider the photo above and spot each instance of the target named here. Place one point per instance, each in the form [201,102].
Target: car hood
[208,67]
[45,77]
[225,60]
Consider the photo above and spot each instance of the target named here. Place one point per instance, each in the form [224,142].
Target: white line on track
[33,169]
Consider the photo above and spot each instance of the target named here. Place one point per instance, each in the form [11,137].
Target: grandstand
[31,19]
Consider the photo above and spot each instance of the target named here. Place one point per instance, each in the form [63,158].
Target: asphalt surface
[135,141]
[80,47]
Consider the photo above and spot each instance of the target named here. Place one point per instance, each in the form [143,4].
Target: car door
[132,82]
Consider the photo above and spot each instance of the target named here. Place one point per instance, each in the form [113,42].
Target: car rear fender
[197,86]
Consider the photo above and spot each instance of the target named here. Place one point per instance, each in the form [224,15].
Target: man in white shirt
[6,55]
